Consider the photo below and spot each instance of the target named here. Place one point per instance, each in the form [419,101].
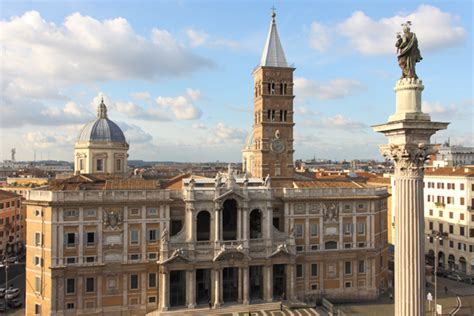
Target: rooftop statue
[407,51]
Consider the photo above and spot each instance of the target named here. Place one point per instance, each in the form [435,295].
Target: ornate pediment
[231,253]
[281,251]
[231,194]
[178,256]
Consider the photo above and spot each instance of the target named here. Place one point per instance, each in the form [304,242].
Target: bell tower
[272,144]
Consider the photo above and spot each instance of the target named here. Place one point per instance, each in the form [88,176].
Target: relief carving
[113,219]
[330,212]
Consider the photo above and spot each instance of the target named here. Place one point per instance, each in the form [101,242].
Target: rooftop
[8,195]
[273,54]
[463,171]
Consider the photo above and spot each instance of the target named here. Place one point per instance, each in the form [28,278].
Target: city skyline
[176,77]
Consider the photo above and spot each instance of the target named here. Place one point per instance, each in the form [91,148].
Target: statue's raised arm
[407,51]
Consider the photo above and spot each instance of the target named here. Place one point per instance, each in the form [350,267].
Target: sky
[176,76]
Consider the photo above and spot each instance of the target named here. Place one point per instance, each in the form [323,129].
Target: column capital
[409,159]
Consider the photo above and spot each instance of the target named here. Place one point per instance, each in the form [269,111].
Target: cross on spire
[273,13]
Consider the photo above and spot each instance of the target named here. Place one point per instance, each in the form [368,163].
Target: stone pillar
[408,132]
[164,291]
[217,287]
[245,285]
[245,221]
[217,225]
[290,281]
[239,284]
[191,288]
[268,283]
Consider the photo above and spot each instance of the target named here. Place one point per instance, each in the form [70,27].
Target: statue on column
[407,52]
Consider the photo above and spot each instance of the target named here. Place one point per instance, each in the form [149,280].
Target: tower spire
[273,55]
[102,110]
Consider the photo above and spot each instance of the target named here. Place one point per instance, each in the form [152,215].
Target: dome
[249,141]
[101,129]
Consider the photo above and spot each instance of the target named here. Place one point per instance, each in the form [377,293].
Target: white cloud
[434,28]
[39,139]
[199,126]
[334,89]
[182,106]
[196,38]
[339,121]
[304,111]
[224,134]
[142,96]
[201,38]
[319,38]
[135,134]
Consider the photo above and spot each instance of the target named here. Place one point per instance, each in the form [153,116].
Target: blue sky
[176,75]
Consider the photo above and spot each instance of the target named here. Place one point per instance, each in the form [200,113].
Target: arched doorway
[203,226]
[451,262]
[255,224]
[462,265]
[229,220]
[441,259]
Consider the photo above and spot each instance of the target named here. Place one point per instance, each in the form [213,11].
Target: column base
[245,302]
[217,305]
[192,305]
[269,300]
[164,308]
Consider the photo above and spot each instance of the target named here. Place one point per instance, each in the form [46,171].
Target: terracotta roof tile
[328,184]
[464,171]
[8,195]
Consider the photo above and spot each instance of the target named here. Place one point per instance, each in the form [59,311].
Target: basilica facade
[102,242]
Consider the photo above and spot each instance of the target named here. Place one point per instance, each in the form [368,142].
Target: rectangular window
[314,247]
[451,244]
[134,281]
[440,227]
[90,286]
[38,284]
[71,213]
[361,228]
[38,261]
[100,165]
[91,213]
[152,255]
[461,231]
[151,299]
[451,229]
[440,213]
[152,235]
[361,245]
[81,164]
[314,230]
[347,284]
[348,229]
[347,267]
[431,212]
[461,216]
[134,256]
[314,269]
[299,270]
[152,211]
[361,266]
[70,286]
[451,214]
[347,245]
[90,238]
[152,280]
[135,212]
[70,305]
[298,230]
[462,186]
[134,237]
[430,225]
[37,309]
[38,239]
[70,239]
[118,164]
[471,232]
[461,201]
[90,259]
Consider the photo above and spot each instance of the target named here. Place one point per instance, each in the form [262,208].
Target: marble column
[240,275]
[217,224]
[290,281]
[268,283]
[245,285]
[164,291]
[408,132]
[191,288]
[217,287]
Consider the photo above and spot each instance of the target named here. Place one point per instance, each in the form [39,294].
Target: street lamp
[437,236]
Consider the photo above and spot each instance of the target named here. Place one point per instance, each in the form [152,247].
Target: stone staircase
[264,309]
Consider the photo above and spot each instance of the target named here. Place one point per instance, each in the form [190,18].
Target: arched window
[255,224]
[441,259]
[330,245]
[229,220]
[451,262]
[203,226]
